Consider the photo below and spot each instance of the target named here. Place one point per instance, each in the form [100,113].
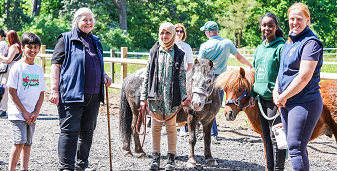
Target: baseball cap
[209,26]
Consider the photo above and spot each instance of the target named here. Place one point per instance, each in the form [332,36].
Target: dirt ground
[239,148]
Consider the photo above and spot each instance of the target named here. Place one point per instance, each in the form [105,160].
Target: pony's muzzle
[197,106]
[229,116]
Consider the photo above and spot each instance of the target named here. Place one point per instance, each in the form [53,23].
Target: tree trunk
[7,22]
[36,8]
[240,38]
[236,39]
[121,6]
[122,15]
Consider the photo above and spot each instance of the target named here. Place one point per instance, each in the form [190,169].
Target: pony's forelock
[232,79]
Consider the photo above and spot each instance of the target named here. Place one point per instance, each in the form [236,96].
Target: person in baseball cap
[210,26]
[218,50]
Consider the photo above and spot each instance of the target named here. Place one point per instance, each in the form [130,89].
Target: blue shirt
[218,50]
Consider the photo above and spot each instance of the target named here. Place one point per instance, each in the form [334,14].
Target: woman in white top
[188,60]
[180,38]
[3,43]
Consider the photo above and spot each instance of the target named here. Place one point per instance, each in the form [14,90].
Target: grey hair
[78,14]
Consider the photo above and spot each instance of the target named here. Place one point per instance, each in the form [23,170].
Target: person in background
[266,64]
[3,43]
[218,50]
[296,90]
[3,48]
[26,88]
[11,56]
[181,36]
[77,88]
[163,90]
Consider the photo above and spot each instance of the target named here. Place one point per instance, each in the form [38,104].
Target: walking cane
[108,115]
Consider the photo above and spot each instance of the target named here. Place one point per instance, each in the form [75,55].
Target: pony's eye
[209,81]
[240,90]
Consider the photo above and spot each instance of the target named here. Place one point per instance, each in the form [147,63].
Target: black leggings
[275,157]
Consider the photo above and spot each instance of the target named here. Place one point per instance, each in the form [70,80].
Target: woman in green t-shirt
[266,64]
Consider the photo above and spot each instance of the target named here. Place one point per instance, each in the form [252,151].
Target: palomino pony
[204,106]
[235,82]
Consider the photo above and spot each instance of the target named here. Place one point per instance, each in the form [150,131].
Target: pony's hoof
[141,155]
[212,162]
[191,163]
[127,154]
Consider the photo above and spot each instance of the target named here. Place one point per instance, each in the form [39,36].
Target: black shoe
[170,162]
[3,114]
[85,169]
[155,161]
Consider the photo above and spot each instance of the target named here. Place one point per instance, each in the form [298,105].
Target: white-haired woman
[77,88]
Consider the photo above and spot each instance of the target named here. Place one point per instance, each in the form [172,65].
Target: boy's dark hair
[30,38]
[279,31]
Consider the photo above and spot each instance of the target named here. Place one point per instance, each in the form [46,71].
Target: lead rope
[143,116]
[262,112]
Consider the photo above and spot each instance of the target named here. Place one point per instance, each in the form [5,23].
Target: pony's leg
[191,123]
[138,147]
[207,143]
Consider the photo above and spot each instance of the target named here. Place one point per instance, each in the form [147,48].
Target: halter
[202,91]
[237,102]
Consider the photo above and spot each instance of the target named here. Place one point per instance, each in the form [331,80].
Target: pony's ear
[242,72]
[210,62]
[196,61]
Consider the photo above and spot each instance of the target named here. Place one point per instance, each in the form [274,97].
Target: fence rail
[124,61]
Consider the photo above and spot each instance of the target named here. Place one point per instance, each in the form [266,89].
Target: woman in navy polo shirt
[297,90]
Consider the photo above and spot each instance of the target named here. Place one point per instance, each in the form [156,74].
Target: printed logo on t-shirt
[261,68]
[30,80]
[292,50]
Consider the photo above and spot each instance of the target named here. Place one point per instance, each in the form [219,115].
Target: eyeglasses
[180,31]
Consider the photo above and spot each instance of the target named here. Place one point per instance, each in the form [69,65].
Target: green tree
[236,18]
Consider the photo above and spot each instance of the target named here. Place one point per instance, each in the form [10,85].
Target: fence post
[124,69]
[112,65]
[42,59]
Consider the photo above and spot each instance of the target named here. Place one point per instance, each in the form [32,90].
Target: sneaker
[182,132]
[3,114]
[85,169]
[163,130]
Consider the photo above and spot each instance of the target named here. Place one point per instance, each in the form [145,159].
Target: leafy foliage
[235,17]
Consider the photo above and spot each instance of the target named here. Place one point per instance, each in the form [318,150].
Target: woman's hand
[281,101]
[187,102]
[54,97]
[107,80]
[251,102]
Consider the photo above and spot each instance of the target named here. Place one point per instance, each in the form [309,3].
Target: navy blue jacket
[290,64]
[71,85]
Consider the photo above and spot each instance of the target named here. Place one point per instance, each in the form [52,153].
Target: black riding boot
[170,161]
[155,161]
[279,156]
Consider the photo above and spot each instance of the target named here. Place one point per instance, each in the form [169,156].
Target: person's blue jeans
[77,124]
[299,121]
[214,131]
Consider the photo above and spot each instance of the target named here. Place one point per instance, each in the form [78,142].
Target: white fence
[124,60]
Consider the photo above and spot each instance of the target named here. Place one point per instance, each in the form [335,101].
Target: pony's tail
[125,117]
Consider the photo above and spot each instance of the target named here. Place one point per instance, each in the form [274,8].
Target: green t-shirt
[266,64]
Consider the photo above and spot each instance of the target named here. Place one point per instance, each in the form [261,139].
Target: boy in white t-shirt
[26,91]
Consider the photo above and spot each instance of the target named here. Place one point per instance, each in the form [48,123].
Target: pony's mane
[232,79]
